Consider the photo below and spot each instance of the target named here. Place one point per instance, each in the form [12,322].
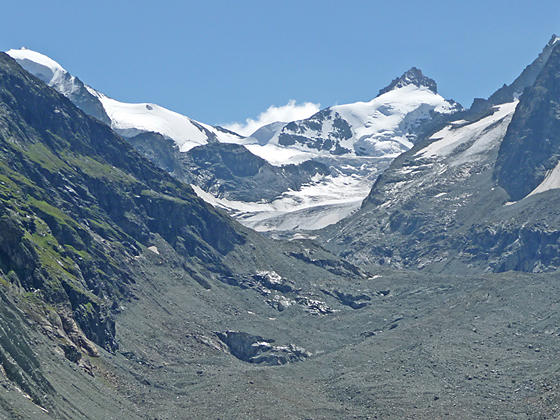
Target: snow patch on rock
[551,181]
[481,135]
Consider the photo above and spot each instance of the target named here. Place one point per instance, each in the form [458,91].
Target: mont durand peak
[415,77]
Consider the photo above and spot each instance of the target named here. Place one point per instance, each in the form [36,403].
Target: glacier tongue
[320,203]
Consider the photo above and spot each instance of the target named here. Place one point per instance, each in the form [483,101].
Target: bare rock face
[76,335]
[532,143]
[415,77]
[259,350]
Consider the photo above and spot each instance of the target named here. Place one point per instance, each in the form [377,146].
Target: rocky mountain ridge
[295,186]
[459,200]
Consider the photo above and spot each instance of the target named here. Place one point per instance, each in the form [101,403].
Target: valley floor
[434,347]
[427,347]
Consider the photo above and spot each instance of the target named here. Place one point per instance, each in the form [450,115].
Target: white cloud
[286,113]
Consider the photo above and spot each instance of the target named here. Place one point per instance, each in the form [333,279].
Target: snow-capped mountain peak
[415,77]
[26,56]
[555,38]
[45,68]
[127,119]
[384,126]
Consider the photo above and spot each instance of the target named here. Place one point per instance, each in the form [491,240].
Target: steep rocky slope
[530,149]
[459,200]
[79,206]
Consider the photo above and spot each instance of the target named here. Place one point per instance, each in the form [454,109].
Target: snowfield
[480,134]
[46,69]
[131,119]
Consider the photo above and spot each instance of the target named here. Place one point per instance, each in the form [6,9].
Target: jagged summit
[553,40]
[415,77]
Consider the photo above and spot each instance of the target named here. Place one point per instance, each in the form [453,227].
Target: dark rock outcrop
[259,350]
[415,77]
[348,299]
[531,146]
[233,172]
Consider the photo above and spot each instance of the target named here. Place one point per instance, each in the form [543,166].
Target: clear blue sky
[223,61]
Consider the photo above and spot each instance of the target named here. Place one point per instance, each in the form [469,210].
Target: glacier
[356,141]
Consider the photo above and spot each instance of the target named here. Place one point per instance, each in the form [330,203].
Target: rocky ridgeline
[465,198]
